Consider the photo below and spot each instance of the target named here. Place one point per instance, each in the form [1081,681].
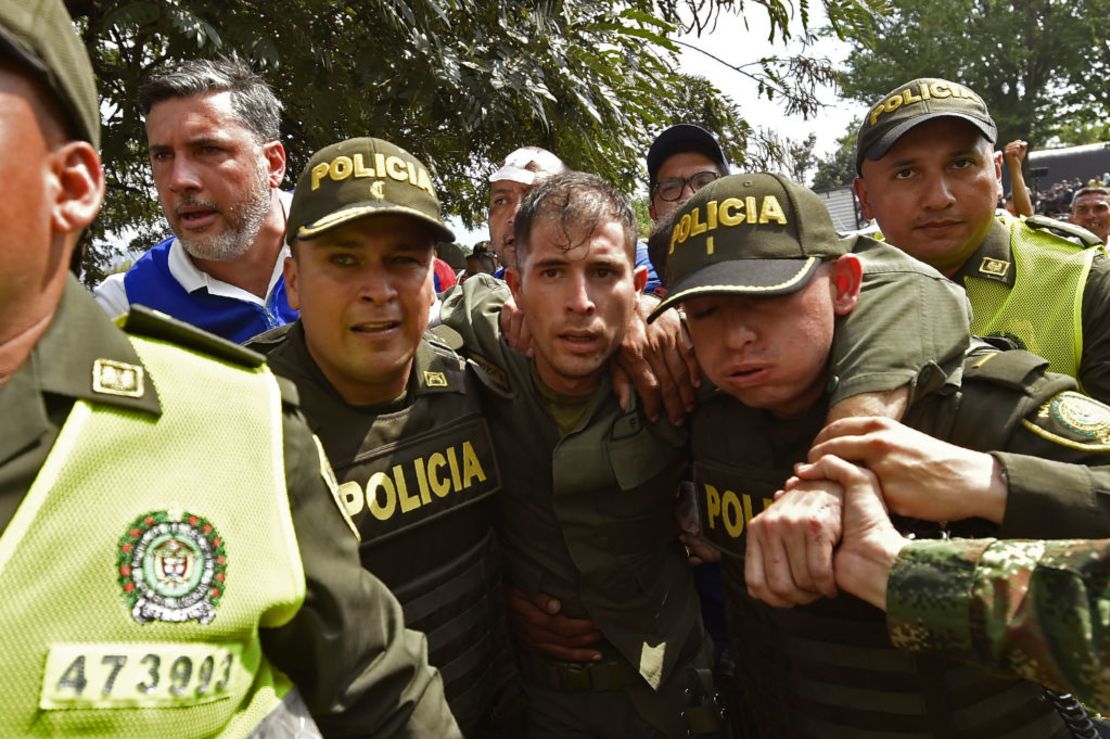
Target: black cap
[682,138]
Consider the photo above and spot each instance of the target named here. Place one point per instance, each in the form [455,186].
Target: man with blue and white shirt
[217,160]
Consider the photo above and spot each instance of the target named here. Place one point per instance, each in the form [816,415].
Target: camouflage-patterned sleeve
[908,318]
[1033,609]
[358,669]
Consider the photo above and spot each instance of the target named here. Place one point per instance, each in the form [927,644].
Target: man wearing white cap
[522,170]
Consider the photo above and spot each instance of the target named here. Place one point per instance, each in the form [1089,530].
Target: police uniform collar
[83,355]
[993,260]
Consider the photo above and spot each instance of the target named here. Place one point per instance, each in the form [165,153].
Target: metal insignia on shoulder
[435,379]
[1082,416]
[110,377]
[172,567]
[994,267]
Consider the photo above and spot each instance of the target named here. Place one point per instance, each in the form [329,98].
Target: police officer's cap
[913,103]
[362,178]
[755,235]
[39,36]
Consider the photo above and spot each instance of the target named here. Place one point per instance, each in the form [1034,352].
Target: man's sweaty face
[577,301]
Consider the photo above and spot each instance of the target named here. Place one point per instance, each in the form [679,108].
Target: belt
[613,674]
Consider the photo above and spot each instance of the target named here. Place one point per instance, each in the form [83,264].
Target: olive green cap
[912,104]
[748,234]
[39,35]
[359,178]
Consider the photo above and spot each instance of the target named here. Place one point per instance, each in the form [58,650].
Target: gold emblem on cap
[435,379]
[994,267]
[377,189]
[117,378]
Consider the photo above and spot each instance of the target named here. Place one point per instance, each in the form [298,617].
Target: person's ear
[274,153]
[846,276]
[292,282]
[862,195]
[512,278]
[78,181]
[639,278]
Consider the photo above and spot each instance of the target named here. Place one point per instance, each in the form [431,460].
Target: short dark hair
[576,200]
[484,260]
[252,99]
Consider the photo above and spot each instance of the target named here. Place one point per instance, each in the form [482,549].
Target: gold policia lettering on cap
[393,167]
[728,212]
[924,91]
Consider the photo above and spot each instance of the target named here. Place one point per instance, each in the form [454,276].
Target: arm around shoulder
[473,309]
[909,318]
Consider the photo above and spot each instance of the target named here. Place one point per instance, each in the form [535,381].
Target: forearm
[1022,203]
[1033,609]
[1047,498]
[473,309]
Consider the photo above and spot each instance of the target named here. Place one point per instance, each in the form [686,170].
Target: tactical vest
[829,669]
[589,520]
[139,568]
[1044,308]
[149,282]
[418,484]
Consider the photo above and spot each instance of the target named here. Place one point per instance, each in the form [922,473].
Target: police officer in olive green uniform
[827,669]
[173,561]
[398,412]
[929,176]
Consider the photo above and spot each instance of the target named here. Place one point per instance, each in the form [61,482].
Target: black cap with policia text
[39,35]
[748,234]
[359,178]
[912,104]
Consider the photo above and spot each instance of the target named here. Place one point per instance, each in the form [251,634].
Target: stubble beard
[244,223]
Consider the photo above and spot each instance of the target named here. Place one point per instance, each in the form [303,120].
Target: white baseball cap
[528,163]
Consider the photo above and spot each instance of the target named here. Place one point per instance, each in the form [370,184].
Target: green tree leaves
[460,83]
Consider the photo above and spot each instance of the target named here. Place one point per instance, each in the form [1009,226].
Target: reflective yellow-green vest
[1044,308]
[147,554]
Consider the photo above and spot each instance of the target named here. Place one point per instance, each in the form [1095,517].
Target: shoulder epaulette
[266,341]
[1013,369]
[443,336]
[1063,229]
[143,321]
[490,375]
